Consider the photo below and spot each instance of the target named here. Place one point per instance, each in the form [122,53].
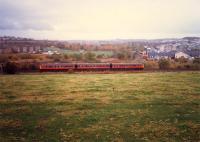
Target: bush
[27,56]
[196,66]
[77,56]
[66,56]
[56,57]
[100,56]
[164,64]
[4,59]
[120,55]
[90,56]
[149,65]
[196,61]
[27,67]
[10,68]
[181,60]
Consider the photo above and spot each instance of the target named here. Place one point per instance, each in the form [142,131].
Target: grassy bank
[100,107]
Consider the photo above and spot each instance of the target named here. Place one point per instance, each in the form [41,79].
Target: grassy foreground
[100,107]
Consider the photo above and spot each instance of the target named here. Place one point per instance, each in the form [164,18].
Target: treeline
[68,57]
[177,64]
[87,56]
[14,67]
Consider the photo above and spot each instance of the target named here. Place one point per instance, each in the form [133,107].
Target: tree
[182,60]
[77,56]
[163,64]
[89,56]
[196,61]
[56,57]
[151,65]
[66,56]
[100,56]
[120,55]
[27,56]
[10,68]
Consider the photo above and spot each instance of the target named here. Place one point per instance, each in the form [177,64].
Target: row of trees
[13,67]
[88,56]
[180,64]
[122,54]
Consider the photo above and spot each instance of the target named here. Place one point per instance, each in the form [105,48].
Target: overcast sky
[100,19]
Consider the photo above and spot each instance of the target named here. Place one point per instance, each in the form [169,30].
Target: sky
[99,19]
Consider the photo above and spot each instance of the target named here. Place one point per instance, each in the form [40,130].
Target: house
[51,52]
[48,53]
[194,53]
[182,54]
[159,55]
[144,54]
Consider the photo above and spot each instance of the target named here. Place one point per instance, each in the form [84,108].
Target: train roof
[91,63]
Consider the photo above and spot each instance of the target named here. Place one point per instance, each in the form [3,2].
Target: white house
[181,54]
[48,53]
[51,52]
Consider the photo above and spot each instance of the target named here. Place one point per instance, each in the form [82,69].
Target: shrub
[13,57]
[151,65]
[196,61]
[120,55]
[181,60]
[28,67]
[4,59]
[10,68]
[77,56]
[164,64]
[27,56]
[56,57]
[90,56]
[100,56]
[196,66]
[66,56]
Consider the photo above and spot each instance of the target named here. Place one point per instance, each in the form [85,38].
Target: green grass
[100,107]
[65,51]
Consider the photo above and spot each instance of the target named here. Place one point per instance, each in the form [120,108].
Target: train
[61,67]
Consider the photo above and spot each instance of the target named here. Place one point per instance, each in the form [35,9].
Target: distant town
[188,47]
[183,53]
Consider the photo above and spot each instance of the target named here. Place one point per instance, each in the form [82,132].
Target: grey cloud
[23,25]
[13,17]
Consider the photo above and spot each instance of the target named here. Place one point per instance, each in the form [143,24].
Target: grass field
[100,107]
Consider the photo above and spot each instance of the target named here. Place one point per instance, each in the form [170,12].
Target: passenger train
[48,67]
